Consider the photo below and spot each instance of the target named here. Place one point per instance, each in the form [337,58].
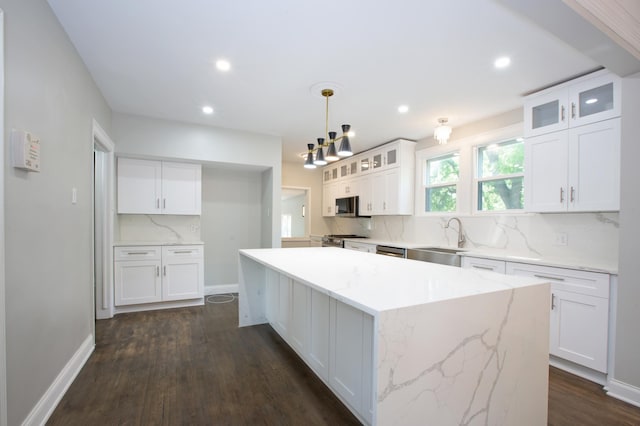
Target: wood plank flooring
[194,366]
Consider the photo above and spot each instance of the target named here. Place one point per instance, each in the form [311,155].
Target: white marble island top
[375,283]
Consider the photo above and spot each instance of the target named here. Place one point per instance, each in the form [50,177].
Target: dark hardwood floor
[194,366]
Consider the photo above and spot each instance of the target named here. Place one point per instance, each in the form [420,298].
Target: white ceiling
[156,58]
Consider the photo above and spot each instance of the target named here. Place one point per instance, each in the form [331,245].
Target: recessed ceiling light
[502,62]
[591,101]
[403,109]
[223,65]
[207,109]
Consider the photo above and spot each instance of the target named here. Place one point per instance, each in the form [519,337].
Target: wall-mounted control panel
[25,149]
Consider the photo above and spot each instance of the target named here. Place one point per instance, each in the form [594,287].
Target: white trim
[220,289]
[161,305]
[578,370]
[3,345]
[51,398]
[624,392]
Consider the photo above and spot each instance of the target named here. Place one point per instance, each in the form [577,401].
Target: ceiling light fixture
[207,109]
[403,109]
[442,132]
[502,62]
[223,65]
[329,141]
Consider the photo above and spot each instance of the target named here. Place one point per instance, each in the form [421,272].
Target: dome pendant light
[330,141]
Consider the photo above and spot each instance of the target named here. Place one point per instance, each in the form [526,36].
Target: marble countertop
[375,283]
[157,243]
[560,262]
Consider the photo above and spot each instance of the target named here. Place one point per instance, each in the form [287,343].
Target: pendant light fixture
[329,141]
[442,132]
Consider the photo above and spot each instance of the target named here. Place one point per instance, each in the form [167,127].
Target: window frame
[477,179]
[427,186]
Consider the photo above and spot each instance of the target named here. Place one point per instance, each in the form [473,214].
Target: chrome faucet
[461,238]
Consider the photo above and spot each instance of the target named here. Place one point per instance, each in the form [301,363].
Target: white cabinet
[392,192]
[483,264]
[574,170]
[579,313]
[148,274]
[365,196]
[582,101]
[364,247]
[318,342]
[159,187]
[329,199]
[299,327]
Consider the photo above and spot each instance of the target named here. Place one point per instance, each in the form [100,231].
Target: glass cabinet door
[392,157]
[327,175]
[546,113]
[353,168]
[594,100]
[377,160]
[344,170]
[365,164]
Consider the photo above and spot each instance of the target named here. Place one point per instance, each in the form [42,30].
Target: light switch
[74,195]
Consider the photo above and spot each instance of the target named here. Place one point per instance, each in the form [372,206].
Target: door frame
[102,298]
[3,347]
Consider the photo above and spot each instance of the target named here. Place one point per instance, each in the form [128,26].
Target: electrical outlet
[561,239]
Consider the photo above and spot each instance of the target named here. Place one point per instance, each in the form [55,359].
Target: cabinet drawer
[582,282]
[182,252]
[483,264]
[137,253]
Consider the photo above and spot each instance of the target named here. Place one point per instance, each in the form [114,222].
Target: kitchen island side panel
[474,360]
[251,292]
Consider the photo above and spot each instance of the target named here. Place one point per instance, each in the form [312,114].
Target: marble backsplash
[588,236]
[161,228]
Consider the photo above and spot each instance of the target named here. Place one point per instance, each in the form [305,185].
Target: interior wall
[49,277]
[230,220]
[293,174]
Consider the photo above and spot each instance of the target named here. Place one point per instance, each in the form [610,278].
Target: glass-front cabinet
[586,101]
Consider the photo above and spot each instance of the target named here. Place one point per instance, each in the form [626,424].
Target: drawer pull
[164,270]
[487,268]
[546,277]
[553,301]
[157,271]
[183,251]
[137,252]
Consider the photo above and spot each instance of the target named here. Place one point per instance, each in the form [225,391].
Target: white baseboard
[578,370]
[220,289]
[161,305]
[49,401]
[624,392]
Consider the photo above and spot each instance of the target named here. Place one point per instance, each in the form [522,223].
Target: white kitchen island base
[403,342]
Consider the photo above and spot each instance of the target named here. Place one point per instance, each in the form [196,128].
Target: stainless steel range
[337,240]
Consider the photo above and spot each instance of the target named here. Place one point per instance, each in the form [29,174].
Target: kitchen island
[407,342]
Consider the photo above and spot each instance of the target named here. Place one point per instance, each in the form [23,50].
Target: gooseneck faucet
[461,238]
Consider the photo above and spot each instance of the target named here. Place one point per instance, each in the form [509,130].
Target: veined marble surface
[374,283]
[158,228]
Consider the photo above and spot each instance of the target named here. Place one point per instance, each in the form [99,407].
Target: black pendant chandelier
[329,142]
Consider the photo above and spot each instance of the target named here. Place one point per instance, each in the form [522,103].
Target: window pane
[443,170]
[441,199]
[501,194]
[501,159]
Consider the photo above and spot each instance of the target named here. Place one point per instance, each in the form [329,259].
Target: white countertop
[157,243]
[560,262]
[375,283]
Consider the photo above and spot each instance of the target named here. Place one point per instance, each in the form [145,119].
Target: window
[441,183]
[500,175]
[286,226]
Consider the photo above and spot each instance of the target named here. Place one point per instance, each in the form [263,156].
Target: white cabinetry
[579,313]
[575,170]
[583,101]
[572,146]
[483,264]
[365,247]
[148,274]
[329,199]
[159,187]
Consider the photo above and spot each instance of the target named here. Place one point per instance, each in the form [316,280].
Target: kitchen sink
[443,256]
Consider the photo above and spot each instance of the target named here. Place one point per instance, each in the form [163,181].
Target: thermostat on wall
[26,150]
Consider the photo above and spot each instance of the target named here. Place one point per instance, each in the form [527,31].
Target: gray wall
[627,349]
[230,220]
[49,241]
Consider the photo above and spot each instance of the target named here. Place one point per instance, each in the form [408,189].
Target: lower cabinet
[483,264]
[333,338]
[365,247]
[150,274]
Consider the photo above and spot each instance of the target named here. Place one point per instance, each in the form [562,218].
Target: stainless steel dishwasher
[391,251]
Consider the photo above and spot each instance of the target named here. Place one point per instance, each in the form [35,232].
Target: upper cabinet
[572,146]
[586,100]
[159,187]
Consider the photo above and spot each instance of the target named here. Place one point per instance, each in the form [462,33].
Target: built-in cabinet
[150,274]
[159,187]
[572,146]
[579,315]
[333,338]
[382,178]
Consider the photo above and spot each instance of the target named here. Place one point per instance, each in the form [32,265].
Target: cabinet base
[578,370]
[161,305]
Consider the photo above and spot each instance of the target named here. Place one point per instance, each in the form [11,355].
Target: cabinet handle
[183,251]
[164,270]
[137,252]
[164,203]
[562,113]
[546,277]
[384,205]
[573,193]
[561,195]
[157,271]
[553,301]
[573,110]
[157,203]
[488,268]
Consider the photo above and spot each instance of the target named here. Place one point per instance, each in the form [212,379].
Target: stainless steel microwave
[347,207]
